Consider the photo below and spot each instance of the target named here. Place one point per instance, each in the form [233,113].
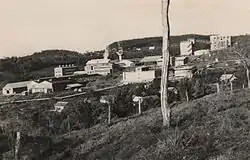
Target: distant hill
[41,63]
[140,47]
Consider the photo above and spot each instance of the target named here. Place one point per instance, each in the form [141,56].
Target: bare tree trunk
[165,108]
[248,78]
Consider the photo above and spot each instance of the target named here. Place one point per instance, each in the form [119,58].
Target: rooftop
[225,77]
[181,58]
[150,59]
[17,84]
[97,61]
[61,103]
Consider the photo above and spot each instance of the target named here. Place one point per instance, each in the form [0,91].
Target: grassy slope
[216,126]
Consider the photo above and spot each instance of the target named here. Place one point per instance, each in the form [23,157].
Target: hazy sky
[27,26]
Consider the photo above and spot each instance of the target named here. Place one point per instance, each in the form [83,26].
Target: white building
[138,75]
[201,52]
[99,66]
[180,61]
[160,61]
[186,48]
[63,70]
[42,87]
[219,42]
[150,60]
[59,106]
[228,77]
[15,88]
[184,71]
[125,63]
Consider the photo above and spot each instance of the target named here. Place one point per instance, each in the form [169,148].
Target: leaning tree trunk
[165,108]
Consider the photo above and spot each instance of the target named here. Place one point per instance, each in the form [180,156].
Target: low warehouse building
[139,74]
[43,87]
[15,88]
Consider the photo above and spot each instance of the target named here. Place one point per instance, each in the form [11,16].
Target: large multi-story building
[64,70]
[219,42]
[99,66]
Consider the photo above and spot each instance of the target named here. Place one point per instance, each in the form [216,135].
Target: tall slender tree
[165,108]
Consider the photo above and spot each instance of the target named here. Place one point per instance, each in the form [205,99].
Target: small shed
[59,106]
[228,77]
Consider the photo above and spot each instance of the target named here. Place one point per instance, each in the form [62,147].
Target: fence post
[109,114]
[218,87]
[139,106]
[231,86]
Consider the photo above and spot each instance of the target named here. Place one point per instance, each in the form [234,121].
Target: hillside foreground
[215,127]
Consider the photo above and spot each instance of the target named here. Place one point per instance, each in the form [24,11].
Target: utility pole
[165,108]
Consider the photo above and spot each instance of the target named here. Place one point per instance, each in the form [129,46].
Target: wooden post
[248,78]
[231,86]
[243,86]
[17,147]
[186,92]
[109,114]
[68,122]
[139,102]
[218,87]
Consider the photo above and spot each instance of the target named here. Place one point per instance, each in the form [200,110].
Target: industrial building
[15,88]
[64,70]
[99,66]
[139,74]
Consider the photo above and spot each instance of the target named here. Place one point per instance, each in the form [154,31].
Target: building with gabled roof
[150,59]
[228,77]
[15,88]
[99,66]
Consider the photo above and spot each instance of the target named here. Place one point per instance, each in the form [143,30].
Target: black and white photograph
[124,80]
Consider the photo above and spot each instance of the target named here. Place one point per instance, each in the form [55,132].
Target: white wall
[183,73]
[102,69]
[186,48]
[7,91]
[42,87]
[201,52]
[137,77]
[58,72]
